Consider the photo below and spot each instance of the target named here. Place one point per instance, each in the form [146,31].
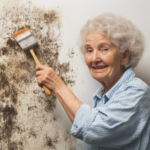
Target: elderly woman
[120,119]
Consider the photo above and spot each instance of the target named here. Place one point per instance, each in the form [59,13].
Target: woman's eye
[105,49]
[89,50]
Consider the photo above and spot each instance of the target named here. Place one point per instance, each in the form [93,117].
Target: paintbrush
[27,42]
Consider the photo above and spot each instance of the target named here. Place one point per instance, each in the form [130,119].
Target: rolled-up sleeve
[115,124]
[84,118]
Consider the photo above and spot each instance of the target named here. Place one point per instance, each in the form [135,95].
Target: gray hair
[120,31]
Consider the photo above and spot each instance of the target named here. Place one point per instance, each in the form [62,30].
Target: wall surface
[30,120]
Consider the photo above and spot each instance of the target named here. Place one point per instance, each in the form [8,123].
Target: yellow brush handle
[47,91]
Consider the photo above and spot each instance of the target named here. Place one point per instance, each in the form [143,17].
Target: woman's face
[102,57]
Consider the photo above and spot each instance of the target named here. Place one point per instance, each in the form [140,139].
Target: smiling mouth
[99,67]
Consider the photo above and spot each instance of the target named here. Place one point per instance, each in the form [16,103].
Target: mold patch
[9,118]
[27,116]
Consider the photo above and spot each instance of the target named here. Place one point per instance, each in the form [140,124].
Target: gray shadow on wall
[143,75]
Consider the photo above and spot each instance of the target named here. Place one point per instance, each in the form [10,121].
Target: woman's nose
[96,56]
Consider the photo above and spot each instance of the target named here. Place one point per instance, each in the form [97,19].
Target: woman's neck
[109,83]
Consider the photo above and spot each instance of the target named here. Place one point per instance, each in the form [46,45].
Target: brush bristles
[28,42]
[25,39]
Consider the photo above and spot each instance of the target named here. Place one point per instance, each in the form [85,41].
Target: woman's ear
[125,57]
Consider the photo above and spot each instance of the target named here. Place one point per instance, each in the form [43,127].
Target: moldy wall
[27,116]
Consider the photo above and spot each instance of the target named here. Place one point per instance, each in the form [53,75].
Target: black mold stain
[8,112]
[14,94]
[36,91]
[71,53]
[11,43]
[13,146]
[72,148]
[2,67]
[3,80]
[30,108]
[32,134]
[49,142]
[4,51]
[17,71]
[69,139]
[50,104]
[9,115]
[54,118]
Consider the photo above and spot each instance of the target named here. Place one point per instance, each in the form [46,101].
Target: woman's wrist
[59,85]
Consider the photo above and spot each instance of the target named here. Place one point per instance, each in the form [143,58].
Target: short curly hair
[120,31]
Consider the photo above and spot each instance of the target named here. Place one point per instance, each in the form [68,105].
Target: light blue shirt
[120,119]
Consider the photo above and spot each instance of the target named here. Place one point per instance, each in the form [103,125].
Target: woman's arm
[117,123]
[48,77]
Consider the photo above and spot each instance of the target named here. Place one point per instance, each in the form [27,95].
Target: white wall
[78,12]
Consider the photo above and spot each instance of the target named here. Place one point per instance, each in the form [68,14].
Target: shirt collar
[126,77]
[99,92]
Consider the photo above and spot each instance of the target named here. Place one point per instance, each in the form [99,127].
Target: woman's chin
[99,78]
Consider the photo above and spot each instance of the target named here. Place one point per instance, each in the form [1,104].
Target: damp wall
[30,120]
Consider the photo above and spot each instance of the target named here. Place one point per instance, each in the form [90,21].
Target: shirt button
[76,126]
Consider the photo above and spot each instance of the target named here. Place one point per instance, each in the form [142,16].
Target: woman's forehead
[97,38]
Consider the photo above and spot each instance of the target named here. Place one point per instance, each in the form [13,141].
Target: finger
[39,73]
[39,81]
[39,67]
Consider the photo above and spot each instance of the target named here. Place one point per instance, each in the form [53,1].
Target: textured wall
[27,116]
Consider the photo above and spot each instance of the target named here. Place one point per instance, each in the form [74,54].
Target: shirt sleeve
[115,124]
